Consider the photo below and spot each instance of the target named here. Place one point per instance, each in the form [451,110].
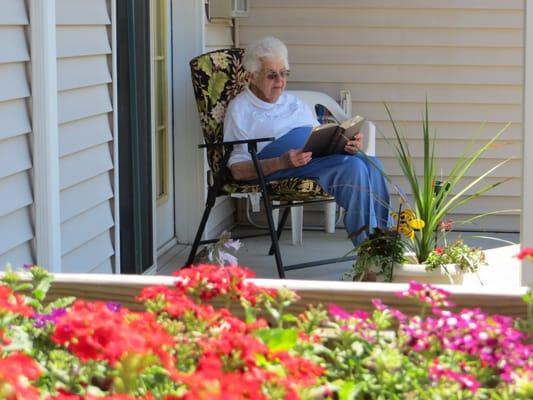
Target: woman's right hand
[295,158]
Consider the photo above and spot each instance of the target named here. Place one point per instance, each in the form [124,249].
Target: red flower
[525,253]
[206,282]
[68,396]
[439,250]
[13,302]
[15,370]
[92,331]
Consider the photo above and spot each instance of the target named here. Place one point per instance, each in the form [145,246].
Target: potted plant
[434,197]
[377,256]
[383,257]
[421,232]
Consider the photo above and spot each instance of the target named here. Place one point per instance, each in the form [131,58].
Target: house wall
[16,204]
[85,131]
[465,57]
[85,108]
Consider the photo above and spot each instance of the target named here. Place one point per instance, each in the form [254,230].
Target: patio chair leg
[281,225]
[211,197]
[274,237]
[268,210]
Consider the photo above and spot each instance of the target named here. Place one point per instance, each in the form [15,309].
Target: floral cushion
[218,77]
[283,190]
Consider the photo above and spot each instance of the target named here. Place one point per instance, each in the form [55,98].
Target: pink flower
[445,225]
[394,312]
[338,312]
[427,294]
[466,381]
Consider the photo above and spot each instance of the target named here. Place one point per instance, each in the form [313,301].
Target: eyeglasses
[273,75]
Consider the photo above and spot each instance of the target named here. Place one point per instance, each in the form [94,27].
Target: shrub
[183,347]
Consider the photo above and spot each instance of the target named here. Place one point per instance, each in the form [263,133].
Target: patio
[502,271]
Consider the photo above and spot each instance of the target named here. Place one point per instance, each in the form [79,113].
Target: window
[160,97]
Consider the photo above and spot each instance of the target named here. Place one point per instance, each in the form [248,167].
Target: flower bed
[187,343]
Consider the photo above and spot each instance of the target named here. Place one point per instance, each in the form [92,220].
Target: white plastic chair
[312,98]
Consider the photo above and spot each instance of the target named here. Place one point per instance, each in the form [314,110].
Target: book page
[351,127]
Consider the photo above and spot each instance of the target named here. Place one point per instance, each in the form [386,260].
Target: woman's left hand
[354,145]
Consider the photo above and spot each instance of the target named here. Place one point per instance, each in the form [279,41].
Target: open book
[331,138]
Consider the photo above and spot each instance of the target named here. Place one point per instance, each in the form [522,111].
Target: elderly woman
[263,109]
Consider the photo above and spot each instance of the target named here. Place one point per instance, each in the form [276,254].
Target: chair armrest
[234,142]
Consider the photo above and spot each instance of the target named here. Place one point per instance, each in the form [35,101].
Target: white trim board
[116,175]
[45,134]
[526,229]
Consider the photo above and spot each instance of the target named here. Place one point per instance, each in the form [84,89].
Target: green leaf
[278,339]
[62,302]
[39,294]
[289,318]
[527,298]
[349,390]
[43,285]
[205,64]
[23,287]
[20,340]
[216,85]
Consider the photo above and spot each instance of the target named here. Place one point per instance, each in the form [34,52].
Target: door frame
[134,136]
[170,123]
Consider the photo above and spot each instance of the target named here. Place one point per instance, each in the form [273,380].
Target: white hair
[269,48]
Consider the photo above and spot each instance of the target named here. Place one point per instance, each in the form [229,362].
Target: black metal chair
[217,77]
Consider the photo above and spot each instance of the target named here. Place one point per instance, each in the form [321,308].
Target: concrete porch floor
[503,269]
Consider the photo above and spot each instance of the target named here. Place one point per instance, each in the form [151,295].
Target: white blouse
[249,117]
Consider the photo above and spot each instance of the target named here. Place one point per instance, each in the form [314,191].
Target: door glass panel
[160,63]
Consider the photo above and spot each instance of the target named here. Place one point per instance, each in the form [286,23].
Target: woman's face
[269,82]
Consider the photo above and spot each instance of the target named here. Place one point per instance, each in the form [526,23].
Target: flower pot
[413,271]
[447,274]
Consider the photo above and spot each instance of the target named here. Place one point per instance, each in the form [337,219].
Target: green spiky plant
[431,205]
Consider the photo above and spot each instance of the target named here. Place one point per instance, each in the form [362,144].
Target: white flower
[218,112]
[233,244]
[220,60]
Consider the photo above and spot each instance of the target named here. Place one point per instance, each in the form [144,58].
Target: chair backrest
[326,109]
[318,101]
[217,77]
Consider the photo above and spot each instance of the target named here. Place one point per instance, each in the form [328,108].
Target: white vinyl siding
[218,35]
[85,134]
[16,207]
[466,57]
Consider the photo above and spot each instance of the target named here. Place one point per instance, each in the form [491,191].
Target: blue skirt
[355,181]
